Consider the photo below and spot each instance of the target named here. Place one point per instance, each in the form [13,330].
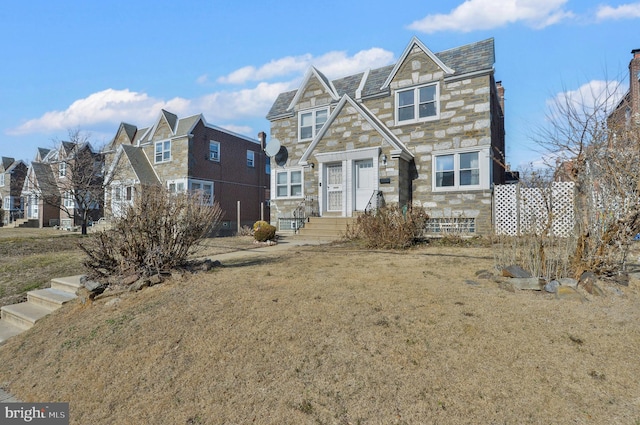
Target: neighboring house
[426,131]
[188,154]
[12,175]
[627,112]
[61,184]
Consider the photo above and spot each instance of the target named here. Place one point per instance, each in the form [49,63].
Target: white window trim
[288,171]
[212,157]
[163,151]
[416,104]
[202,183]
[69,201]
[251,158]
[7,203]
[484,164]
[313,113]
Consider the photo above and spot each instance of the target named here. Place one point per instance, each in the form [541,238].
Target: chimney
[500,90]
[634,83]
[262,136]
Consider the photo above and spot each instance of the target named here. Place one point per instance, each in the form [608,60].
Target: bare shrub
[390,227]
[245,231]
[155,235]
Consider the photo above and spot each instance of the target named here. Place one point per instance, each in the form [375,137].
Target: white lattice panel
[519,210]
[505,211]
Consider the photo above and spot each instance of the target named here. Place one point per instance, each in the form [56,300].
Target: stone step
[23,315]
[325,228]
[7,330]
[68,284]
[49,297]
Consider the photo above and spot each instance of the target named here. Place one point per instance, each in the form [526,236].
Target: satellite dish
[272,148]
[282,156]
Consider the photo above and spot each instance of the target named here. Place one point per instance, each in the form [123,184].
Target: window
[163,151]
[7,203]
[68,200]
[62,169]
[251,159]
[460,170]
[214,151]
[204,190]
[417,104]
[289,184]
[311,122]
[176,187]
[2,179]
[128,193]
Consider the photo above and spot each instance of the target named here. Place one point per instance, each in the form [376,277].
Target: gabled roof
[399,149]
[14,165]
[140,164]
[415,42]
[41,154]
[459,61]
[44,179]
[171,119]
[326,83]
[6,162]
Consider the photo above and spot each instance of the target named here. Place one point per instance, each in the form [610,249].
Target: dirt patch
[336,335]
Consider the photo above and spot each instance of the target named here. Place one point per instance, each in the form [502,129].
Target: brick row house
[627,112]
[426,131]
[189,154]
[63,186]
[12,175]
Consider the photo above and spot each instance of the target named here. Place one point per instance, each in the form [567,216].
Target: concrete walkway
[285,243]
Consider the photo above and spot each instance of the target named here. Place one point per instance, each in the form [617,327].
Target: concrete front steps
[325,228]
[17,318]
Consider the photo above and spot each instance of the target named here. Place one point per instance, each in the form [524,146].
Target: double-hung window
[69,200]
[251,159]
[460,171]
[417,104]
[1,179]
[289,184]
[163,151]
[62,169]
[214,151]
[310,123]
[204,190]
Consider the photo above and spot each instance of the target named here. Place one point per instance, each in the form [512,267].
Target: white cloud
[624,11]
[236,107]
[114,106]
[333,64]
[599,95]
[107,106]
[486,14]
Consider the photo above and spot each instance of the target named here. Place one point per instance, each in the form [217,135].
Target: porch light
[384,159]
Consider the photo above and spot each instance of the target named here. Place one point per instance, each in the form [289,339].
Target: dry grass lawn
[29,258]
[337,335]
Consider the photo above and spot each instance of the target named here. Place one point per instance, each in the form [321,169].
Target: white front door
[364,183]
[33,206]
[334,187]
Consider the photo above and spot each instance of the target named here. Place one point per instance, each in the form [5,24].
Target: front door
[33,207]
[334,187]
[364,183]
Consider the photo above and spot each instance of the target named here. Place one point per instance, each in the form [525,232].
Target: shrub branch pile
[155,234]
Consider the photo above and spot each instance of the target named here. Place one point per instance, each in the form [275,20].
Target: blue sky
[91,65]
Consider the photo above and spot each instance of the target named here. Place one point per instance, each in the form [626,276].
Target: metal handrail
[375,202]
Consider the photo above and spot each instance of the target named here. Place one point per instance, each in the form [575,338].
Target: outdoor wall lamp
[384,159]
